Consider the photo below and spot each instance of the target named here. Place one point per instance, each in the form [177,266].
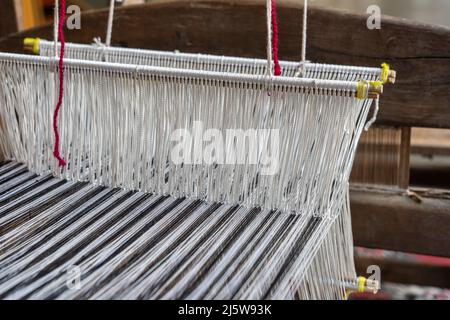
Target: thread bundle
[124,138]
[66,240]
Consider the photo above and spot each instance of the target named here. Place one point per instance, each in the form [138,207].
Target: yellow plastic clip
[362,90]
[361,284]
[32,44]
[369,89]
[376,84]
[385,72]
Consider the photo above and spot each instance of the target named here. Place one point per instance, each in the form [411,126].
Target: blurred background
[431,11]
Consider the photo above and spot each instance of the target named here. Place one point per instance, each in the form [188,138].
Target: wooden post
[29,13]
[8,18]
[405,154]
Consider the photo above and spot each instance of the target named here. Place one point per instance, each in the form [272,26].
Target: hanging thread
[374,116]
[56,28]
[301,67]
[62,18]
[305,30]
[269,38]
[110,23]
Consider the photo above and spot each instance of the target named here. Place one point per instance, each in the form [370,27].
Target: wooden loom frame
[385,218]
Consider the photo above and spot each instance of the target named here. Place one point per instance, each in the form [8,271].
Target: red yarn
[277,70]
[62,18]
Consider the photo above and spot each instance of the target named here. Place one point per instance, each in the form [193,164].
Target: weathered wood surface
[419,52]
[379,157]
[405,155]
[394,221]
[430,141]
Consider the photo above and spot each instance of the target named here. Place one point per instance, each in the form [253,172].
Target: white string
[98,43]
[301,67]
[110,23]
[374,116]
[55,28]
[305,26]
[269,38]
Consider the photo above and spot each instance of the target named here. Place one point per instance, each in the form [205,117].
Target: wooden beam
[405,272]
[419,52]
[430,142]
[417,222]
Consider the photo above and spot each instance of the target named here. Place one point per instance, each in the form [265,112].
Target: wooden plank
[415,223]
[430,141]
[430,157]
[419,52]
[430,172]
[8,19]
[378,157]
[405,154]
[405,272]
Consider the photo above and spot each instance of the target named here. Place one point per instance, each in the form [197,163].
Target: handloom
[138,224]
